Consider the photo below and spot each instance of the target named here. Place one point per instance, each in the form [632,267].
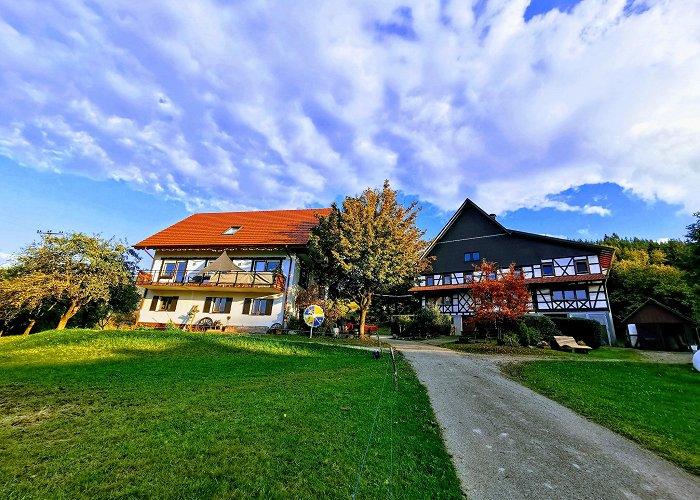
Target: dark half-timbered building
[565,277]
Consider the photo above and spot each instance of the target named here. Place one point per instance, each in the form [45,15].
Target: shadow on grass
[193,415]
[86,346]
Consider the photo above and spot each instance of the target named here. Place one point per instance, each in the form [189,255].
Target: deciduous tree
[498,296]
[693,240]
[639,277]
[333,309]
[68,271]
[369,245]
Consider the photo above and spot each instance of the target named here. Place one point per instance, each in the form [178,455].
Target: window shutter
[207,305]
[268,307]
[227,307]
[154,303]
[173,304]
[246,306]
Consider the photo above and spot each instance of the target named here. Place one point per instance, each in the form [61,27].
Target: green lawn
[88,414]
[657,405]
[616,353]
[370,342]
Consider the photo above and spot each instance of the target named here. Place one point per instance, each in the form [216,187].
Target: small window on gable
[472,257]
[231,230]
[582,267]
[429,281]
[547,269]
[447,279]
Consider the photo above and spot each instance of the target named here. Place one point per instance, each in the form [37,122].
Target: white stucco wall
[189,296]
[187,299]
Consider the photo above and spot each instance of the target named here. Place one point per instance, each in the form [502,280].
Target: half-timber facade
[234,271]
[565,278]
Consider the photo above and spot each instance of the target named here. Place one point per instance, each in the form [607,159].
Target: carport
[654,325]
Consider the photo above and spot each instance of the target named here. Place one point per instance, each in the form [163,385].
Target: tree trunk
[364,304]
[361,328]
[29,327]
[72,311]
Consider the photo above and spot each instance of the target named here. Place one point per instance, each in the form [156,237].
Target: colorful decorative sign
[313,316]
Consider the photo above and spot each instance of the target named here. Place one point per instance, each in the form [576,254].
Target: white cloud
[5,259]
[270,105]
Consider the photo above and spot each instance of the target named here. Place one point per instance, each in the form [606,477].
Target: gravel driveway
[507,441]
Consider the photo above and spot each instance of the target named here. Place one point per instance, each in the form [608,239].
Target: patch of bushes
[428,322]
[523,334]
[510,339]
[544,325]
[294,323]
[403,326]
[586,330]
[528,335]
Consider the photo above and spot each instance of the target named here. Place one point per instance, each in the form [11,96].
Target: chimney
[493,216]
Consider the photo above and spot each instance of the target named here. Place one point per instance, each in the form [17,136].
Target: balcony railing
[230,279]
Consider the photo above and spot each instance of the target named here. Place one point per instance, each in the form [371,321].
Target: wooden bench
[566,343]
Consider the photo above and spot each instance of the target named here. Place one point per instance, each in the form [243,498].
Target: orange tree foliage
[498,296]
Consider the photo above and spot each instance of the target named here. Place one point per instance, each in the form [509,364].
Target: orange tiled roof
[267,228]
[528,281]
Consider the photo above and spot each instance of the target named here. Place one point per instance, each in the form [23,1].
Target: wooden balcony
[270,282]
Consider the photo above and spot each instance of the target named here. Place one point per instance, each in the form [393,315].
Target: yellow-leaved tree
[369,245]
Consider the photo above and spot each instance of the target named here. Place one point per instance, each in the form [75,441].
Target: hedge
[587,330]
[543,324]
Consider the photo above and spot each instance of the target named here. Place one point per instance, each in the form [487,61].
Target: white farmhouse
[234,270]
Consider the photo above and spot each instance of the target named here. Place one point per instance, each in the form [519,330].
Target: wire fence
[391,361]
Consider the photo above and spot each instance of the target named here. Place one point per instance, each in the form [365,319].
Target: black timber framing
[574,266]
[473,230]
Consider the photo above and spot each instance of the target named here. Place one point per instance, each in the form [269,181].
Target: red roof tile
[531,281]
[567,279]
[269,228]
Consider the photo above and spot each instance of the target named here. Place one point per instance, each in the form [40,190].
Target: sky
[569,118]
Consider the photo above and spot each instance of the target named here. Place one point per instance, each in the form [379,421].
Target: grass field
[88,414]
[616,353]
[657,405]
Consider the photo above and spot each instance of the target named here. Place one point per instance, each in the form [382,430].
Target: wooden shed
[654,325]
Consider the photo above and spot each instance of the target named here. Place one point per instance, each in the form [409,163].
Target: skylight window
[231,230]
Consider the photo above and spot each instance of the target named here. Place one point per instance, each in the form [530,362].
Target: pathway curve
[509,442]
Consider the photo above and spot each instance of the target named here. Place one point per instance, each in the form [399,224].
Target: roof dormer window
[231,230]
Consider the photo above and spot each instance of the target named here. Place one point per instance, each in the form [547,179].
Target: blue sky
[567,118]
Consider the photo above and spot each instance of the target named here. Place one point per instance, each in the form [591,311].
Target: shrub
[172,327]
[294,323]
[403,326]
[583,329]
[510,339]
[430,322]
[526,335]
[544,325]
